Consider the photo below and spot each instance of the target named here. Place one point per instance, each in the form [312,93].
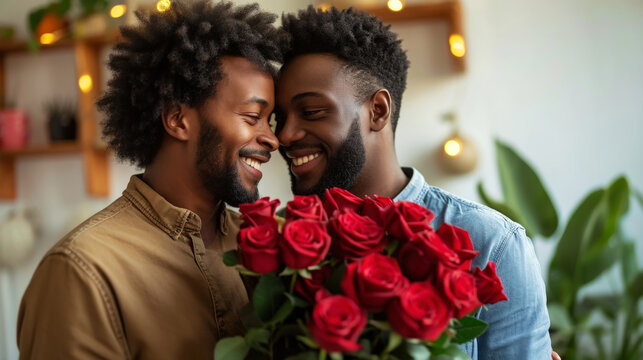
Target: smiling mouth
[298,161]
[252,162]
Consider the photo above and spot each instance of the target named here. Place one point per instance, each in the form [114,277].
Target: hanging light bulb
[163,5]
[458,154]
[85,83]
[117,11]
[456,44]
[395,5]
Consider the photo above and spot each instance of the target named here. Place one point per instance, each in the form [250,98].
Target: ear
[380,109]
[175,121]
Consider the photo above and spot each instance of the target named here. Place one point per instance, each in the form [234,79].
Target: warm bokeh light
[85,83]
[163,5]
[395,5]
[324,6]
[47,38]
[453,147]
[456,42]
[117,11]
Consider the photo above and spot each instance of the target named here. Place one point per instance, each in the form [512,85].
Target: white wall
[561,81]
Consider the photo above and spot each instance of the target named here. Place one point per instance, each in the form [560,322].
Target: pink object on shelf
[14,129]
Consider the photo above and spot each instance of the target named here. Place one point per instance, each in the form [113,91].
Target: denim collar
[414,189]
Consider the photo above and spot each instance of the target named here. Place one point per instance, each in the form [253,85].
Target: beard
[343,168]
[220,179]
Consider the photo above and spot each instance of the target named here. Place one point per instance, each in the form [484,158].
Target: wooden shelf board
[111,37]
[62,147]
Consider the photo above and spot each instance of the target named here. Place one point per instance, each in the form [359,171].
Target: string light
[85,83]
[453,147]
[395,5]
[324,6]
[47,38]
[456,43]
[117,11]
[163,5]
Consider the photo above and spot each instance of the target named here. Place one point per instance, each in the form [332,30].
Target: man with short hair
[338,103]
[189,102]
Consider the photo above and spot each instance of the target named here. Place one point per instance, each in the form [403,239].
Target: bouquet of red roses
[356,278]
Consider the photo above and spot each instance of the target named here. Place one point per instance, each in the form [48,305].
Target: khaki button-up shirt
[135,281]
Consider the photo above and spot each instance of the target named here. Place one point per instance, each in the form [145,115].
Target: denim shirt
[518,327]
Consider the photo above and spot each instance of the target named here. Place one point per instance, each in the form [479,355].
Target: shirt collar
[413,189]
[171,219]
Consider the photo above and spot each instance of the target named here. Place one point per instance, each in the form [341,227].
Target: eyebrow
[257,100]
[305,95]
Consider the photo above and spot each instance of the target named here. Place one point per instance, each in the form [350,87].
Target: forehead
[243,79]
[313,72]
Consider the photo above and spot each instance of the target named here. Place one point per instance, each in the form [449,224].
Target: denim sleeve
[518,327]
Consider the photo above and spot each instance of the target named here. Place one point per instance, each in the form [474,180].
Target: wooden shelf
[96,160]
[449,11]
[63,147]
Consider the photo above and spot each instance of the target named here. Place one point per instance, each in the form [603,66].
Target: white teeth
[304,159]
[252,162]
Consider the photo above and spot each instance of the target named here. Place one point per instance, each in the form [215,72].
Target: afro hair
[173,58]
[371,52]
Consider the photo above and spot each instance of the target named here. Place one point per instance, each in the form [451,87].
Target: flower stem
[322,354]
[292,283]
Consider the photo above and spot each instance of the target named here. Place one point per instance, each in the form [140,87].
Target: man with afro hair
[191,92]
[339,97]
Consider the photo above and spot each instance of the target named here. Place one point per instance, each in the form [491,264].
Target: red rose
[420,312]
[458,240]
[340,199]
[356,236]
[488,284]
[407,218]
[260,212]
[377,208]
[258,249]
[309,287]
[459,287]
[306,207]
[373,281]
[336,323]
[420,256]
[304,243]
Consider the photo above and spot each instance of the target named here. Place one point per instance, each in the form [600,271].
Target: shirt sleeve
[68,313]
[519,326]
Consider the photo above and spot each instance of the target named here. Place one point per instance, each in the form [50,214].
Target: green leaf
[308,342]
[468,328]
[562,269]
[524,192]
[230,258]
[591,268]
[268,297]
[416,351]
[297,301]
[394,340]
[638,195]
[232,348]
[452,352]
[35,17]
[609,304]
[336,356]
[304,273]
[284,310]
[500,207]
[257,336]
[308,355]
[629,266]
[559,318]
[635,288]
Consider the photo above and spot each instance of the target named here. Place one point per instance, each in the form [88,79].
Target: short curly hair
[371,51]
[173,57]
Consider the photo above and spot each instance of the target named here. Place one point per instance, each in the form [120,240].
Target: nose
[268,139]
[289,132]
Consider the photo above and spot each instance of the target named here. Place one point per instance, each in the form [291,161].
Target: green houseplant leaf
[498,206]
[524,193]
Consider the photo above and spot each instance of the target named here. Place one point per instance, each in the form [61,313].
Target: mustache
[250,152]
